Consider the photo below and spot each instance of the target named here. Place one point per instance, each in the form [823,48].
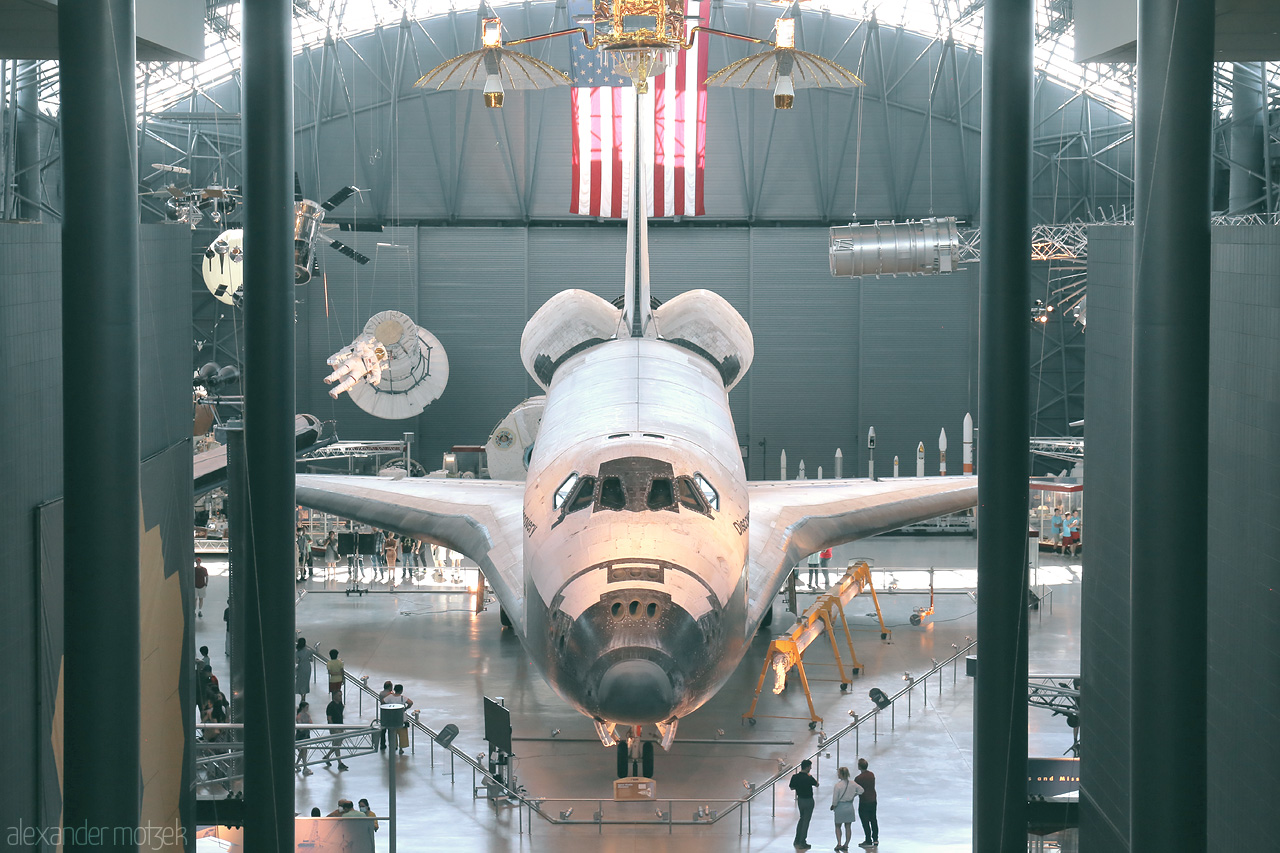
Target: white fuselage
[636,540]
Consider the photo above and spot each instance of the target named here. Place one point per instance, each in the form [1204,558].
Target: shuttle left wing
[483,519]
[790,520]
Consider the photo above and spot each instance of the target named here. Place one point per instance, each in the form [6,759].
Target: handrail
[534,804]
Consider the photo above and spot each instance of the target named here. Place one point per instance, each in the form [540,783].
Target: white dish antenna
[393,370]
[223,266]
[510,444]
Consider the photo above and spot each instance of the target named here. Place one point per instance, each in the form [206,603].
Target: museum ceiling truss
[905,145]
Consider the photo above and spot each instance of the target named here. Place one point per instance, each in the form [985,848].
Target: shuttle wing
[790,520]
[480,518]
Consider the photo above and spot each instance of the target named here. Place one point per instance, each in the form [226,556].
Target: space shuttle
[636,562]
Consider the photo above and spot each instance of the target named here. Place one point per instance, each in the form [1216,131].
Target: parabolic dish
[417,371]
[223,265]
[511,443]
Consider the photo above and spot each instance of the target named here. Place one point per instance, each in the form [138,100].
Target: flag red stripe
[701,154]
[575,179]
[596,154]
[618,175]
[681,115]
[659,154]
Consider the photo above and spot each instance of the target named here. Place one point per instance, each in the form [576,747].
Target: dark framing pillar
[102,786]
[268,608]
[240,534]
[1168,617]
[1000,694]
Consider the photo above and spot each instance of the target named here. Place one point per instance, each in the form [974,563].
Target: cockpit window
[689,497]
[566,488]
[583,496]
[708,492]
[612,495]
[660,494]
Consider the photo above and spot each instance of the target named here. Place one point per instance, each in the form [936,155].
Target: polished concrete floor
[449,657]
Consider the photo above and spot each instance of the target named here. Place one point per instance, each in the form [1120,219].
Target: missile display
[968,444]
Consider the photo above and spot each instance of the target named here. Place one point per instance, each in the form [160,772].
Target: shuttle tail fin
[637,311]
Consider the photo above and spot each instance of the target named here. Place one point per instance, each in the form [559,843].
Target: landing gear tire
[813,725]
[624,760]
[915,618]
[767,620]
[646,760]
[504,618]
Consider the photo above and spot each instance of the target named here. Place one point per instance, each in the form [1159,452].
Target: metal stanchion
[391,716]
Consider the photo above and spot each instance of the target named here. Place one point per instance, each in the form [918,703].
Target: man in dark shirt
[867,805]
[334,715]
[803,784]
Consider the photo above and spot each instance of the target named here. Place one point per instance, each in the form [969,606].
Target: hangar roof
[162,84]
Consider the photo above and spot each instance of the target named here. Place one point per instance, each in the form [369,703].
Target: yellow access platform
[787,651]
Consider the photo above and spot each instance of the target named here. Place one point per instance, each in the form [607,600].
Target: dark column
[1246,139]
[103,505]
[1000,695]
[240,537]
[27,147]
[268,422]
[1168,624]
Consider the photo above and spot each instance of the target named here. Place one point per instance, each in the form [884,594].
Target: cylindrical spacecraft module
[916,247]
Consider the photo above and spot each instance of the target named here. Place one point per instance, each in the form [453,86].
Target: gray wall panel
[1244,540]
[473,288]
[803,385]
[1244,536]
[31,473]
[31,470]
[165,272]
[918,368]
[589,259]
[688,259]
[1104,630]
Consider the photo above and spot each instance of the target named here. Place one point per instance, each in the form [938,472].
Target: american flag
[673,129]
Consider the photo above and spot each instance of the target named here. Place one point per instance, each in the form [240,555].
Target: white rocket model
[920,460]
[635,561]
[968,444]
[871,453]
[942,453]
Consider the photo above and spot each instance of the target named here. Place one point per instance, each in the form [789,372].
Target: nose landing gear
[635,756]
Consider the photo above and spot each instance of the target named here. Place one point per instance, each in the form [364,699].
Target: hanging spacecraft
[394,369]
[223,266]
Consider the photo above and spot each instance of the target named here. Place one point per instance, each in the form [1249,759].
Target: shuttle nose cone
[636,689]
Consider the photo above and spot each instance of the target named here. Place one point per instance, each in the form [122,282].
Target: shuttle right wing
[483,519]
[790,520]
